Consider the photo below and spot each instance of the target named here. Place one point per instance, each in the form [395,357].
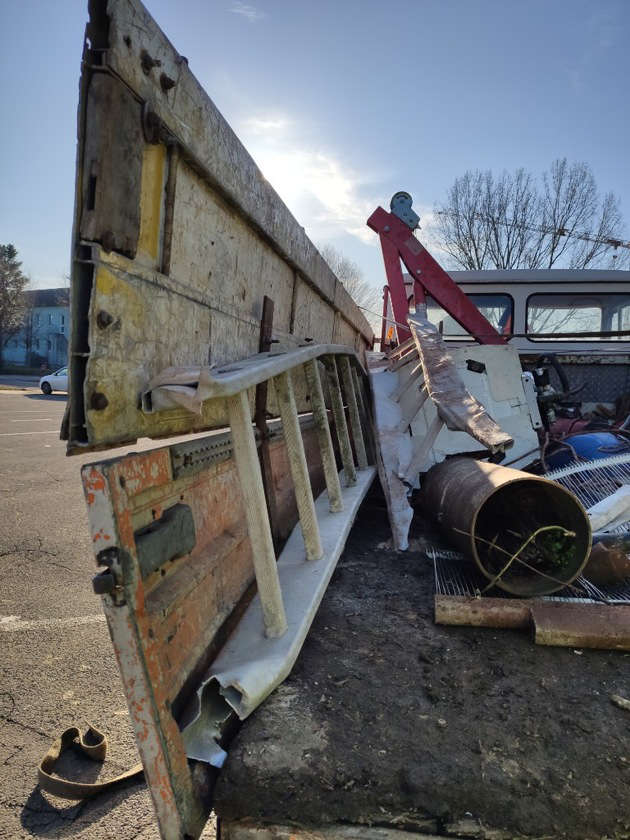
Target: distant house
[44,337]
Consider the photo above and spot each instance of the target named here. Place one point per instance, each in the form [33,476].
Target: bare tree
[348,272]
[12,283]
[514,221]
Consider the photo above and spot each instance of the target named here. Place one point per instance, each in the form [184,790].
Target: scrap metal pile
[449,421]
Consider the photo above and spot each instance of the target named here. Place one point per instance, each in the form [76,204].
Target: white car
[57,381]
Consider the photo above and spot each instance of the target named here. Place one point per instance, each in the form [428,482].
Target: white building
[44,337]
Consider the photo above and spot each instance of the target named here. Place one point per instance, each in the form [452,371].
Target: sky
[340,102]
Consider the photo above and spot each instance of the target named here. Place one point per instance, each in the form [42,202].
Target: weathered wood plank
[581,625]
[249,831]
[112,174]
[256,513]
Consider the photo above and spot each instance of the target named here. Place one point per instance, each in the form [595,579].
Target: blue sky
[340,103]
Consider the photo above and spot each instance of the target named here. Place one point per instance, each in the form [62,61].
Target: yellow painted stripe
[151,192]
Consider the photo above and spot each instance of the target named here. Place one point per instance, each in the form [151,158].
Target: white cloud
[251,13]
[324,194]
[258,126]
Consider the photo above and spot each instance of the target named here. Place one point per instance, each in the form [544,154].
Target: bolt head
[103,583]
[98,401]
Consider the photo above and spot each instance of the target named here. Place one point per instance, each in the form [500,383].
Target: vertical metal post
[260,419]
[263,553]
[169,208]
[320,415]
[353,412]
[339,416]
[385,318]
[298,465]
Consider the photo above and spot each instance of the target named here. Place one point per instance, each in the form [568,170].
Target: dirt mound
[390,719]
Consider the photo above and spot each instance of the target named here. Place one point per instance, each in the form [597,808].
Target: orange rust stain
[95,480]
[93,483]
[146,470]
[125,527]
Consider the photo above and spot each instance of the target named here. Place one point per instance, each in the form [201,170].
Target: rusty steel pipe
[474,500]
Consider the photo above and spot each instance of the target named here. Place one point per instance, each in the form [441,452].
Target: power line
[610,241]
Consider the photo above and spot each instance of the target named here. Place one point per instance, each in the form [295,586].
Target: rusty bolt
[103,583]
[148,62]
[151,124]
[166,83]
[104,319]
[99,401]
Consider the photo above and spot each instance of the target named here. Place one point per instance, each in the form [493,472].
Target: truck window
[570,313]
[497,308]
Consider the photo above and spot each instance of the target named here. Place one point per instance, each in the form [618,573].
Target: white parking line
[14,434]
[32,420]
[12,623]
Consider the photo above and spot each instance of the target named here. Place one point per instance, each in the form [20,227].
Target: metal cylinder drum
[476,502]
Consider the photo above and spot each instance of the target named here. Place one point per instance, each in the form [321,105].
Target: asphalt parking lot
[57,663]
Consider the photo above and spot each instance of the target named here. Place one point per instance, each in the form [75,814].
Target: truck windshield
[498,309]
[562,314]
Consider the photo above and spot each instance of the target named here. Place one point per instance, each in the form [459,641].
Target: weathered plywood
[139,340]
[112,167]
[226,261]
[143,57]
[311,317]
[343,333]
[178,238]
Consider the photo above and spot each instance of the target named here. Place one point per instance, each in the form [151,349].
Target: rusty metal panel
[169,612]
[177,240]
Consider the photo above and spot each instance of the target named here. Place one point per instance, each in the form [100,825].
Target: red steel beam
[396,283]
[398,242]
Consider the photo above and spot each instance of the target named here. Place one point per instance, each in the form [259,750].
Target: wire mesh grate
[456,575]
[593,481]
